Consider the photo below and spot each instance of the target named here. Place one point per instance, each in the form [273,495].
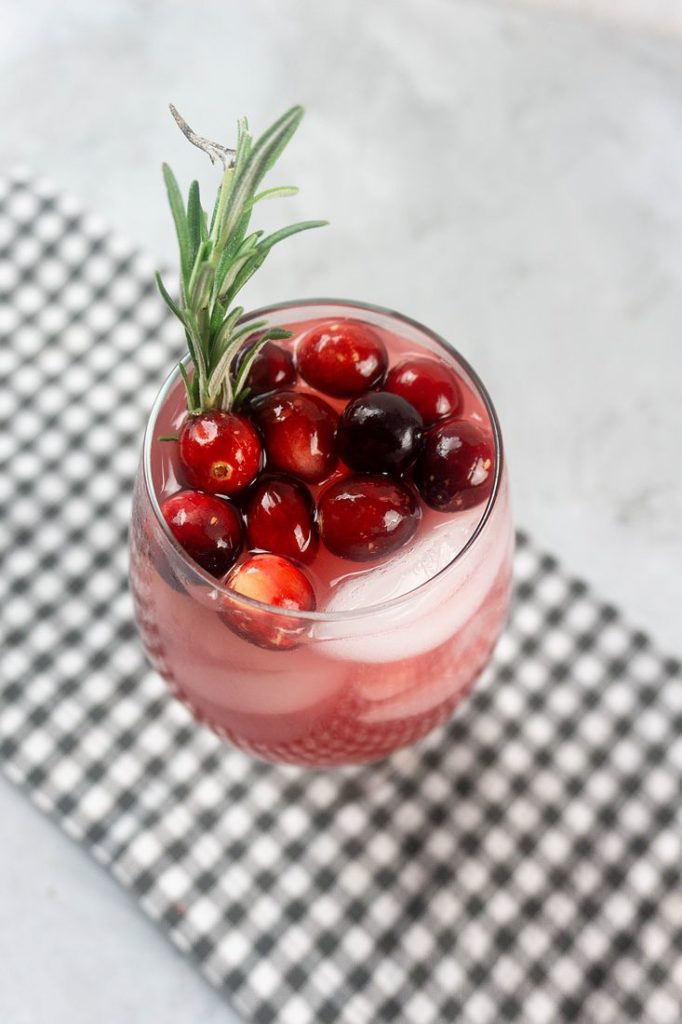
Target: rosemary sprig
[218,256]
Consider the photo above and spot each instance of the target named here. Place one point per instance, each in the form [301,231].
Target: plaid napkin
[520,865]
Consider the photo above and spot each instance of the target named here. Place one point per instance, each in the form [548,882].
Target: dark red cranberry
[220,452]
[379,433]
[280,517]
[430,385]
[272,368]
[299,432]
[456,467]
[208,528]
[342,358]
[367,517]
[275,581]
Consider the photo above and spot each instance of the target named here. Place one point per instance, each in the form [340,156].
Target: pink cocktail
[394,644]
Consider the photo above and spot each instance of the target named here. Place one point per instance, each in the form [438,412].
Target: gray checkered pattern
[520,865]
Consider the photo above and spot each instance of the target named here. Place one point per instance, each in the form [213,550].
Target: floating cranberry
[342,358]
[272,368]
[367,517]
[208,528]
[220,452]
[378,433]
[275,581]
[456,468]
[430,385]
[280,518]
[299,432]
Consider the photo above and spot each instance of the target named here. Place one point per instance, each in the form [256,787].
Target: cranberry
[220,452]
[299,432]
[379,433]
[272,368]
[275,581]
[342,358]
[456,468]
[280,518]
[208,528]
[367,517]
[430,385]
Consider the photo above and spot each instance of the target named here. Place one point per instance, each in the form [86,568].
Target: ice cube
[450,677]
[413,703]
[281,683]
[214,663]
[433,547]
[429,617]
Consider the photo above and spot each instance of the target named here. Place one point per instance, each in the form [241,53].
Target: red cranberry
[367,517]
[208,528]
[342,358]
[299,432]
[272,368]
[275,581]
[430,385]
[379,433]
[220,452]
[280,518]
[456,468]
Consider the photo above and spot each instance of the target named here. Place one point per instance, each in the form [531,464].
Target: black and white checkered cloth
[520,865]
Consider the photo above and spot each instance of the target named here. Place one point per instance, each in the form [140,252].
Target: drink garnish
[219,254]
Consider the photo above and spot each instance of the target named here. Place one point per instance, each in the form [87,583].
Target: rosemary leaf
[236,249]
[231,272]
[191,406]
[246,272]
[277,334]
[174,308]
[279,192]
[222,338]
[195,216]
[278,136]
[196,351]
[271,334]
[217,320]
[221,372]
[201,292]
[292,229]
[180,218]
[244,144]
[261,158]
[262,250]
[246,367]
[247,330]
[218,256]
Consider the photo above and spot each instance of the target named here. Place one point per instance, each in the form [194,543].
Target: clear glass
[360,683]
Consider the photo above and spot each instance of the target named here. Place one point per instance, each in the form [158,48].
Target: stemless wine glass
[342,686]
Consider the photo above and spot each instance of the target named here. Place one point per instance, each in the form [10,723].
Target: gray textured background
[509,173]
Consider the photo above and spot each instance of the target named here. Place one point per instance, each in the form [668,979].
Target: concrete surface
[508,173]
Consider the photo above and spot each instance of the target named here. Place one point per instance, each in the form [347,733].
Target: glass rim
[351,613]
